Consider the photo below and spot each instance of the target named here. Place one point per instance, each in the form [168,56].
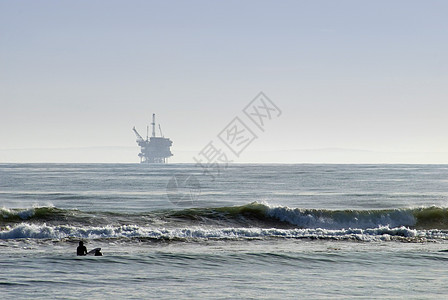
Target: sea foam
[43,231]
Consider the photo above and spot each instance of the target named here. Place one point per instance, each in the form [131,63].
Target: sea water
[248,231]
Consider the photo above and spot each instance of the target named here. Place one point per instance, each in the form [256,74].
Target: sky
[356,81]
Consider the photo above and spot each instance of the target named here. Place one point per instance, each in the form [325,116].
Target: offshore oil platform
[153,149]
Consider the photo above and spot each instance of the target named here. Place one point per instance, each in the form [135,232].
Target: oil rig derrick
[153,149]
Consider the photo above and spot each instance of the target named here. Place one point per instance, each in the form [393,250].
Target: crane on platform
[139,137]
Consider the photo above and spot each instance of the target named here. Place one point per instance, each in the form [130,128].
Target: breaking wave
[34,231]
[251,221]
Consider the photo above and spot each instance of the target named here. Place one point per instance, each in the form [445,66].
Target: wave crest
[338,219]
[34,231]
[252,215]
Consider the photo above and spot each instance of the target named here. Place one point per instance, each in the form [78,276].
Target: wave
[48,214]
[34,231]
[17,215]
[284,217]
[253,215]
[418,218]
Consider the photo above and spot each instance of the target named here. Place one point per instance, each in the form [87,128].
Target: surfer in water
[81,250]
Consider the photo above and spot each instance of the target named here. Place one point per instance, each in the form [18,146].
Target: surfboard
[92,252]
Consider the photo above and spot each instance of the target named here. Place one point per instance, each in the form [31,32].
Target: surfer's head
[81,243]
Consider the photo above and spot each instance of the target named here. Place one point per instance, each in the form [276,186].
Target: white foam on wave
[33,231]
[24,214]
[306,218]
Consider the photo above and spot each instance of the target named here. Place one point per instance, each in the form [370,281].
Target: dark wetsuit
[81,250]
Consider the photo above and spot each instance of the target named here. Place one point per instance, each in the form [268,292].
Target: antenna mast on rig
[153,125]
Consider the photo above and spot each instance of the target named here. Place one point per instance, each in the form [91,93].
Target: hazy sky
[364,75]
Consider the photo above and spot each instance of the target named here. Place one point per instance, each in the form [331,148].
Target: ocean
[249,231]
